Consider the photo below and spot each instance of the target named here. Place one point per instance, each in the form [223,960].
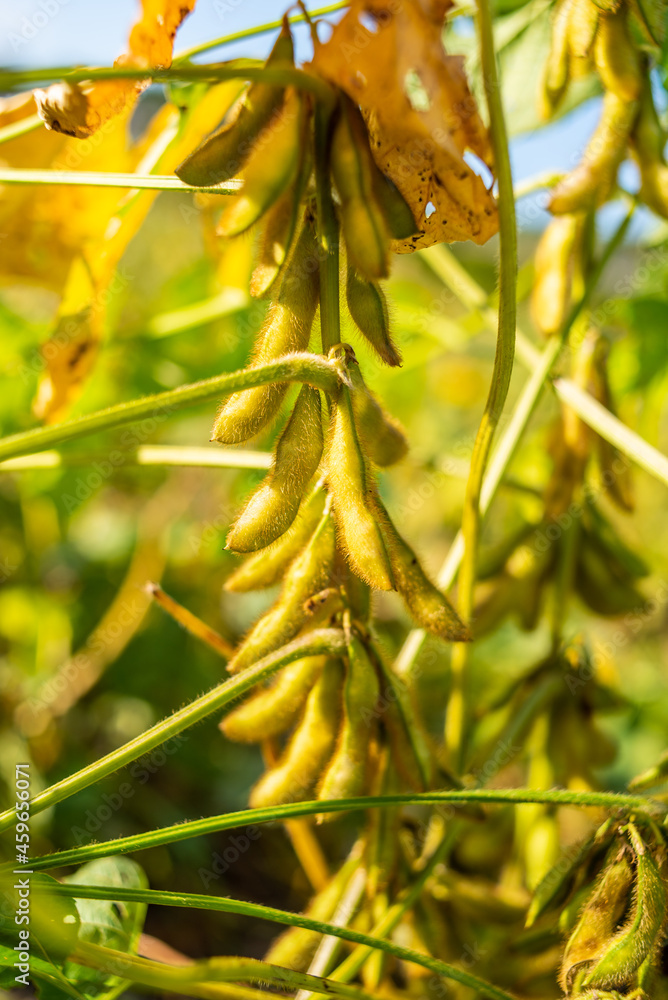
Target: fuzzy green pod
[381,435]
[265,568]
[222,154]
[553,273]
[286,329]
[293,778]
[396,210]
[591,182]
[598,920]
[279,231]
[429,607]
[273,507]
[641,934]
[556,74]
[272,167]
[307,575]
[351,488]
[346,774]
[273,710]
[367,306]
[364,227]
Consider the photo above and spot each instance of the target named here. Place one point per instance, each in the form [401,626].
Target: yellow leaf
[80,110]
[420,114]
[72,348]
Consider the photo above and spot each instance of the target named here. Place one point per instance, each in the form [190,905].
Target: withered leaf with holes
[80,110]
[420,114]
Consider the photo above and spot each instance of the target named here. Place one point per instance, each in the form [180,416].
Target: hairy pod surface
[279,231]
[347,771]
[429,607]
[553,273]
[640,935]
[307,574]
[603,909]
[381,435]
[368,308]
[222,154]
[351,488]
[591,182]
[286,329]
[273,710]
[265,568]
[364,227]
[293,779]
[272,167]
[273,507]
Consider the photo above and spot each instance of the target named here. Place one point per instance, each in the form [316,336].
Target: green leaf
[53,923]
[49,979]
[643,357]
[112,924]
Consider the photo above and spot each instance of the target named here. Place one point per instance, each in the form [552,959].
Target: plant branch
[457,712]
[304,367]
[464,286]
[148,454]
[613,801]
[241,908]
[81,178]
[328,232]
[15,129]
[210,73]
[315,643]
[197,977]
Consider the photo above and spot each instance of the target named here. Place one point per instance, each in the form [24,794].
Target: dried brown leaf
[421,115]
[80,110]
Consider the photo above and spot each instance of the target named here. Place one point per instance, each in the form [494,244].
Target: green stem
[457,712]
[354,962]
[261,29]
[15,129]
[328,232]
[230,821]
[315,643]
[149,454]
[308,368]
[443,263]
[80,178]
[194,976]
[210,73]
[521,415]
[224,905]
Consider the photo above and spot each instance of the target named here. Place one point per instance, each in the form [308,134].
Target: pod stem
[456,720]
[328,231]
